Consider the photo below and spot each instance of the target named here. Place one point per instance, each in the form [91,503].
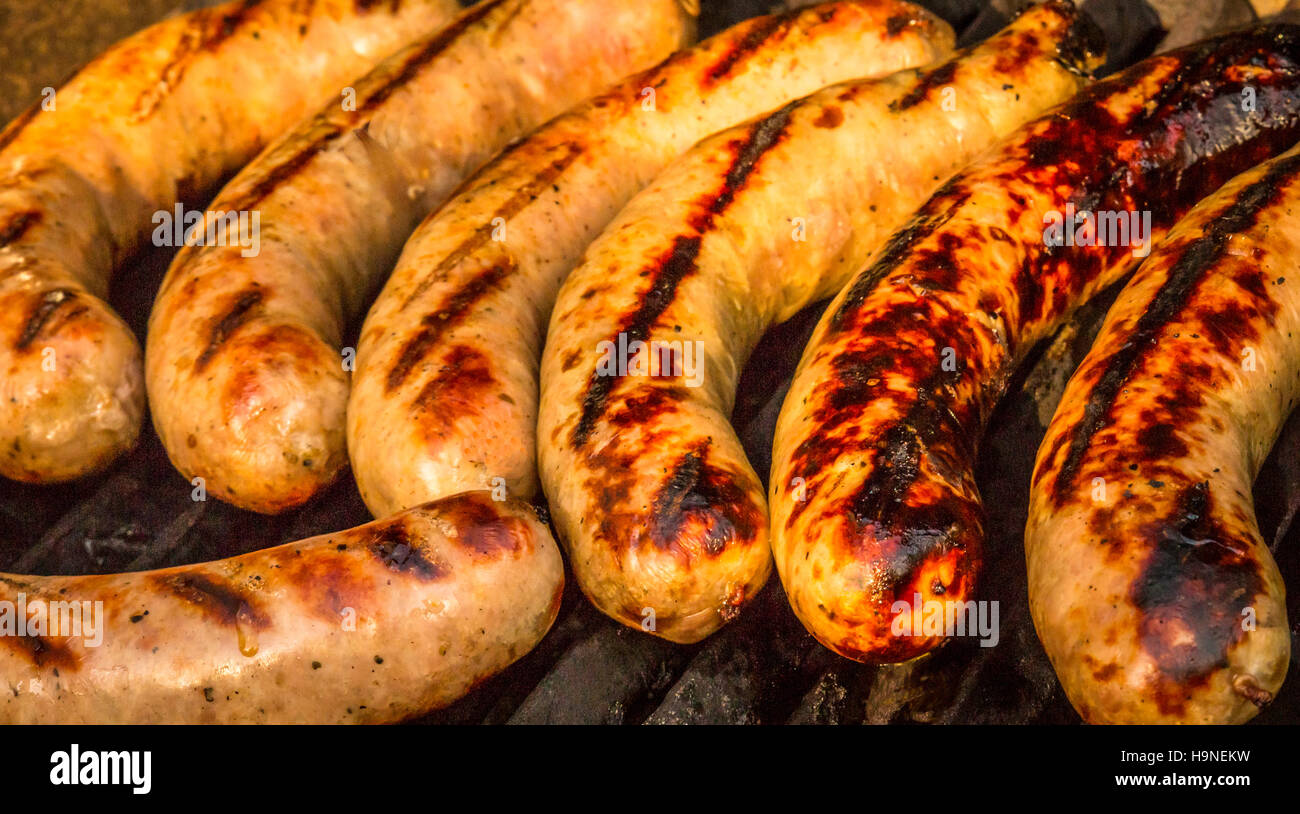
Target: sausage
[663,517]
[900,377]
[162,117]
[447,363]
[1150,586]
[247,381]
[369,625]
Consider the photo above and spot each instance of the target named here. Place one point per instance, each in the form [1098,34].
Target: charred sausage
[898,381]
[1150,586]
[663,517]
[375,624]
[448,358]
[159,119]
[247,381]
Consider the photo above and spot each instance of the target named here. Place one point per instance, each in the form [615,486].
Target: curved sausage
[899,379]
[247,381]
[1150,586]
[447,362]
[374,624]
[160,118]
[651,491]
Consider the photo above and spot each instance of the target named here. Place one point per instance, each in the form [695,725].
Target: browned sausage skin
[651,491]
[1150,585]
[247,381]
[447,364]
[892,394]
[162,117]
[374,624]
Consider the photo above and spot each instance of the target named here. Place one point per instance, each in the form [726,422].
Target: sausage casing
[895,387]
[447,365]
[1151,588]
[247,381]
[159,119]
[374,624]
[651,492]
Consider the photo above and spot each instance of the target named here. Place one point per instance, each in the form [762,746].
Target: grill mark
[328,582]
[926,82]
[453,312]
[426,54]
[522,197]
[394,546]
[50,302]
[204,31]
[43,652]
[286,169]
[483,530]
[236,316]
[899,23]
[17,225]
[219,602]
[465,373]
[336,125]
[1013,59]
[929,424]
[505,22]
[737,51]
[830,118]
[1195,580]
[935,213]
[679,262]
[697,493]
[1194,263]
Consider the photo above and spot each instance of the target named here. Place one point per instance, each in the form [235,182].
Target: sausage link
[1142,530]
[651,491]
[247,381]
[374,624]
[897,384]
[447,362]
[162,117]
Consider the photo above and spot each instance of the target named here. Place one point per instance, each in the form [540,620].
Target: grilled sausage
[651,491]
[247,381]
[1150,586]
[899,379]
[163,116]
[374,624]
[447,362]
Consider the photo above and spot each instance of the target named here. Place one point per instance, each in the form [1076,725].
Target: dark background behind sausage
[764,668]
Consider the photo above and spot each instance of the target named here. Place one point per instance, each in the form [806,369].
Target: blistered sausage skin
[160,118]
[447,365]
[1151,588]
[649,485]
[894,389]
[374,624]
[247,381]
